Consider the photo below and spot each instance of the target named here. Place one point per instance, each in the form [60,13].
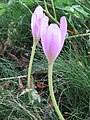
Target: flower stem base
[50,68]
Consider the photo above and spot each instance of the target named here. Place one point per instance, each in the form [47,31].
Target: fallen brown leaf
[13,57]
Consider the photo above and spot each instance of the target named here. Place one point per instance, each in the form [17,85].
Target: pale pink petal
[33,20]
[33,24]
[39,12]
[63,29]
[36,20]
[44,25]
[38,24]
[51,42]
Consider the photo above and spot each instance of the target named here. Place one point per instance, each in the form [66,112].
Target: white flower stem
[50,68]
[31,61]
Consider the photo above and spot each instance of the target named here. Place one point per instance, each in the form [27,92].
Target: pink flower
[63,29]
[44,25]
[53,38]
[36,22]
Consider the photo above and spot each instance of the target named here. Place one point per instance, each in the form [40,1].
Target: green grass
[71,74]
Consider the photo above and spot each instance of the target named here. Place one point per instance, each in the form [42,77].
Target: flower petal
[44,25]
[39,12]
[36,20]
[51,42]
[63,29]
[33,24]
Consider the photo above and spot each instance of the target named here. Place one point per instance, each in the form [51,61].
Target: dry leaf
[7,85]
[13,57]
[41,85]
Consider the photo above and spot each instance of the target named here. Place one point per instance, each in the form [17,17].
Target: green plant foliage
[10,2]
[28,2]
[2,8]
[7,68]
[59,3]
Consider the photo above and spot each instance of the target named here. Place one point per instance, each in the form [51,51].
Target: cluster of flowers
[52,36]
